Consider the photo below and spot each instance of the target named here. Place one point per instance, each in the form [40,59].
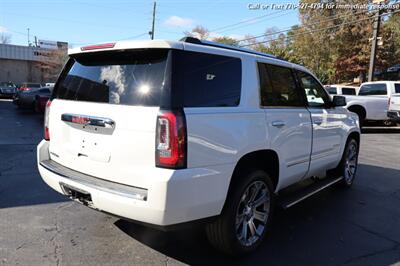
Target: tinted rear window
[130,78]
[209,80]
[373,89]
[348,91]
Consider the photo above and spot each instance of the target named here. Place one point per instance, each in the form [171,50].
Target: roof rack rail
[225,46]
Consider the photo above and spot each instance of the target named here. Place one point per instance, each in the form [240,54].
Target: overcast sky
[82,22]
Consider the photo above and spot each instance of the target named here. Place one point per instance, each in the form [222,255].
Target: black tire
[36,106]
[344,167]
[223,232]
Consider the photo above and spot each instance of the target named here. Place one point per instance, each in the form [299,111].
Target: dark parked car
[7,89]
[26,99]
[394,68]
[28,86]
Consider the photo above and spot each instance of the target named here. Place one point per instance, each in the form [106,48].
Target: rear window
[130,78]
[373,89]
[332,90]
[348,91]
[7,84]
[397,87]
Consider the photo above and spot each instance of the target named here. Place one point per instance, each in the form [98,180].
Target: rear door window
[209,80]
[125,77]
[373,89]
[332,90]
[278,87]
[397,87]
[348,91]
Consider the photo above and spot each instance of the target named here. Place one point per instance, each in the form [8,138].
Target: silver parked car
[7,89]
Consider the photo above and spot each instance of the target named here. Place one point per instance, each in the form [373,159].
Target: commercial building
[31,63]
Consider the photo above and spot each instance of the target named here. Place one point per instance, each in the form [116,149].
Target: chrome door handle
[88,120]
[278,123]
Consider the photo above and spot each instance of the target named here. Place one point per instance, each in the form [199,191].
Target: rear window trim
[71,60]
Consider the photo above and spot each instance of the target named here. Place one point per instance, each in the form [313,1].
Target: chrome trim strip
[314,192]
[94,182]
[298,162]
[88,120]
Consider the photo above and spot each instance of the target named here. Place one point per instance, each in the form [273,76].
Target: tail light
[390,98]
[24,89]
[46,121]
[171,138]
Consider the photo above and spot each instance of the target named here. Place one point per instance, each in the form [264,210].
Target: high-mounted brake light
[98,46]
[171,138]
[46,121]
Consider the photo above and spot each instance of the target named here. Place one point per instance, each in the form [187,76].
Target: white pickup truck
[372,101]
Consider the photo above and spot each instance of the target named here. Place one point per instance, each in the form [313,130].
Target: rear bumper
[174,197]
[394,115]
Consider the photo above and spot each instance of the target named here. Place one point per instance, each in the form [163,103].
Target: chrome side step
[291,199]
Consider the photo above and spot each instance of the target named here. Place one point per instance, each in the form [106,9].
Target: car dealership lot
[360,226]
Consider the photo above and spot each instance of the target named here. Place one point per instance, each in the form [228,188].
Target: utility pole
[36,41]
[375,33]
[154,18]
[29,42]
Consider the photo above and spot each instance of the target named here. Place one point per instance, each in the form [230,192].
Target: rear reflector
[98,46]
[171,140]
[46,121]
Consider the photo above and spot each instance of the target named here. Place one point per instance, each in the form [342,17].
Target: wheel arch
[358,109]
[266,160]
[354,135]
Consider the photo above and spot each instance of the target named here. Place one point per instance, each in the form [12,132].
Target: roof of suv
[183,44]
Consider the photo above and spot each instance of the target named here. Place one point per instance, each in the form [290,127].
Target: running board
[301,194]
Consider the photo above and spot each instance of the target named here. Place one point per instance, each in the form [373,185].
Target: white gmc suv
[166,133]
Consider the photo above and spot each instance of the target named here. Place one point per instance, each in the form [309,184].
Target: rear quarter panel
[376,106]
[223,135]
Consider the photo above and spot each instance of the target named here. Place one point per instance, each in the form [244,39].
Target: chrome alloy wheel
[252,213]
[350,164]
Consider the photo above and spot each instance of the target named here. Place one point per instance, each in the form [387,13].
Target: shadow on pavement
[20,182]
[334,227]
[380,130]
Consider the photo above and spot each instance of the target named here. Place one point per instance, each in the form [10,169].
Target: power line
[134,37]
[257,21]
[321,29]
[313,24]
[244,21]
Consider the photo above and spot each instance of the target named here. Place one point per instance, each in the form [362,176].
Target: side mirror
[338,101]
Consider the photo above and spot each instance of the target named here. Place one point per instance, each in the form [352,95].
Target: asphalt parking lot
[360,226]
